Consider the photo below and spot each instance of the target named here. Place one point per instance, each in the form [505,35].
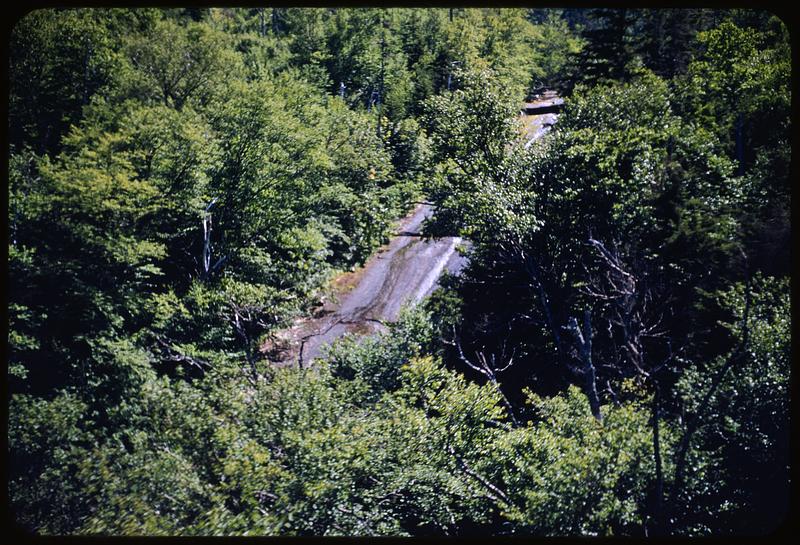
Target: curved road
[405,271]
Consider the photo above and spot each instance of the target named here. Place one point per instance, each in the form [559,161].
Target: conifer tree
[608,50]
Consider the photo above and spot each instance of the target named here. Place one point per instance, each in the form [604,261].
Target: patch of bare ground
[283,347]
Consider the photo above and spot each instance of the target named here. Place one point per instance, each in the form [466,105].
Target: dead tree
[489,368]
[207,239]
[208,269]
[628,299]
[515,251]
[247,320]
[635,313]
[586,369]
[174,354]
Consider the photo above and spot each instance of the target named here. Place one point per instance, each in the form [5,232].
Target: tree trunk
[694,423]
[740,144]
[206,245]
[382,76]
[261,21]
[584,340]
[658,510]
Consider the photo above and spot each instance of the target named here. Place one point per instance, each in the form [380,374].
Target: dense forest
[184,183]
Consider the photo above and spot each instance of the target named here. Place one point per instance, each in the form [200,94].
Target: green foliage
[58,61]
[570,475]
[631,166]
[665,39]
[184,183]
[178,64]
[608,51]
[376,361]
[471,131]
[553,46]
[739,85]
[46,442]
[746,425]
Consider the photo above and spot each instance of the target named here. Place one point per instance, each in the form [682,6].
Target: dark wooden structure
[552,106]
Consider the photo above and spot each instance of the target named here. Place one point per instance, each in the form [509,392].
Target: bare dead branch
[493,492]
